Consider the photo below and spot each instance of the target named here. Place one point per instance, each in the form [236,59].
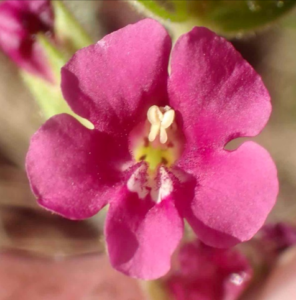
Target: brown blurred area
[24,226]
[272,53]
[44,256]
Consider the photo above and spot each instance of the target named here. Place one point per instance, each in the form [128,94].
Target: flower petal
[141,235]
[215,91]
[72,170]
[235,192]
[114,82]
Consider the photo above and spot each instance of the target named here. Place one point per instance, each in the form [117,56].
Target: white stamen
[153,132]
[154,115]
[161,118]
[168,119]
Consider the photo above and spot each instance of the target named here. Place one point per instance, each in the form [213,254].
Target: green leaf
[227,17]
[174,10]
[49,98]
[56,59]
[67,30]
[232,16]
[48,94]
[69,37]
[290,20]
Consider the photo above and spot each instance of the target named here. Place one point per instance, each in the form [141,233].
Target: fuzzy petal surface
[141,235]
[115,81]
[73,171]
[217,95]
[234,193]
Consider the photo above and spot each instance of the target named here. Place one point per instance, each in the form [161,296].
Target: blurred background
[30,238]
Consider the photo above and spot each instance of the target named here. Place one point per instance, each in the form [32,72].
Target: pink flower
[20,22]
[205,273]
[157,153]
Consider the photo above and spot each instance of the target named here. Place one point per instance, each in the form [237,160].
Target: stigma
[160,118]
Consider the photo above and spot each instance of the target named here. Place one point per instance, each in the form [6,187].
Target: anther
[161,118]
[164,161]
[142,157]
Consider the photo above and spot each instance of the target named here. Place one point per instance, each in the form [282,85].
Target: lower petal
[235,192]
[141,235]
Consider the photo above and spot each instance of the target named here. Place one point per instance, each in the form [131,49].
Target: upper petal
[141,235]
[235,191]
[73,171]
[216,93]
[114,82]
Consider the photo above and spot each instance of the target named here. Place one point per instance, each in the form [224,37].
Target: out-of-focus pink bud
[204,273]
[272,240]
[20,22]
[278,236]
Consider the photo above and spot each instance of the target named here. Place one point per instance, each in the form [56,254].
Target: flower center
[157,141]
